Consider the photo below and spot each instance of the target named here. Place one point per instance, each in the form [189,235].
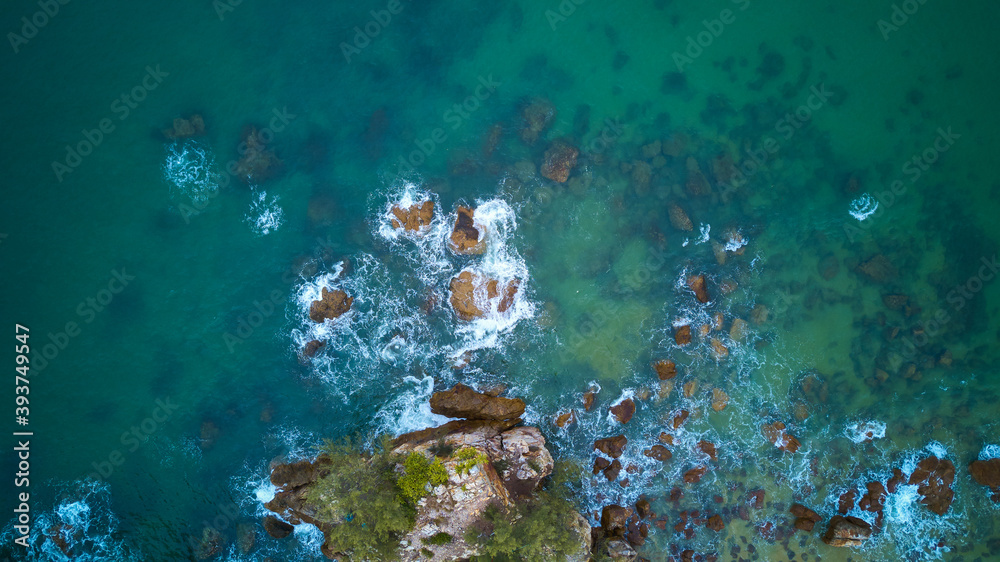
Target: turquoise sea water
[156,413]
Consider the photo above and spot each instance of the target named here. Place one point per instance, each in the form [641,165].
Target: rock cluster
[331,305]
[185,128]
[413,218]
[471,293]
[467,237]
[987,473]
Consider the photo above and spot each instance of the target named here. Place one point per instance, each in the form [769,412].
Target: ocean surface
[167,295]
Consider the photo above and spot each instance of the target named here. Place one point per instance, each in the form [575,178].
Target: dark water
[167,298]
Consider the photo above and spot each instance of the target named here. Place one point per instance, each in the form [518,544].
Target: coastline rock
[331,305]
[185,128]
[611,446]
[623,410]
[463,402]
[537,116]
[679,219]
[933,478]
[276,527]
[471,293]
[665,370]
[658,452]
[559,161]
[680,418]
[738,331]
[719,399]
[805,518]
[694,475]
[312,348]
[715,523]
[564,419]
[708,448]
[697,284]
[719,350]
[987,473]
[847,531]
[467,238]
[776,434]
[682,334]
[413,218]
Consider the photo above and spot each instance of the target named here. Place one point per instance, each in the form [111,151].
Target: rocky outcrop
[611,446]
[623,410]
[776,434]
[987,473]
[463,402]
[503,467]
[471,294]
[933,478]
[847,531]
[697,284]
[467,237]
[413,218]
[332,305]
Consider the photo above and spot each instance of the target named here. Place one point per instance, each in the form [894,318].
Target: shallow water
[216,275]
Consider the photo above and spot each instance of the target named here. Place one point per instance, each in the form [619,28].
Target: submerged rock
[537,116]
[331,305]
[276,527]
[560,159]
[679,219]
[878,268]
[466,236]
[185,128]
[257,162]
[697,184]
[682,334]
[413,218]
[719,399]
[463,402]
[847,531]
[776,434]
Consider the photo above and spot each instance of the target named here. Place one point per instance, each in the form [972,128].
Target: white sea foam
[410,410]
[265,215]
[189,167]
[989,452]
[865,431]
[863,207]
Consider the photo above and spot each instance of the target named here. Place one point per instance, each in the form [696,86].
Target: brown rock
[276,527]
[759,314]
[611,473]
[415,217]
[611,446]
[665,370]
[331,305]
[679,219]
[560,159]
[312,348]
[600,464]
[933,478]
[697,284]
[804,512]
[756,499]
[878,269]
[682,334]
[874,500]
[614,520]
[987,473]
[719,399]
[463,402]
[643,509]
[804,524]
[847,501]
[738,331]
[624,410]
[509,292]
[466,236]
[185,128]
[715,523]
[697,184]
[537,116]
[846,531]
[562,420]
[690,387]
[776,434]
[897,478]
[469,289]
[680,418]
[694,475]
[666,438]
[588,400]
[658,452]
[719,351]
[708,448]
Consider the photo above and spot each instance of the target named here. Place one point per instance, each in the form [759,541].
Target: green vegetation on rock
[417,473]
[362,501]
[438,539]
[469,457]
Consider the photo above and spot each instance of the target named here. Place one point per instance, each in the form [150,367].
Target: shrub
[442,449]
[469,457]
[417,473]
[361,500]
[427,552]
[438,539]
